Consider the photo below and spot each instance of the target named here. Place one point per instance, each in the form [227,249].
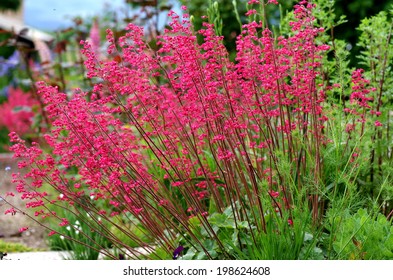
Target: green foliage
[213,15]
[230,27]
[282,240]
[4,140]
[137,231]
[83,242]
[239,239]
[6,50]
[356,10]
[230,232]
[376,57]
[160,254]
[362,236]
[11,247]
[326,16]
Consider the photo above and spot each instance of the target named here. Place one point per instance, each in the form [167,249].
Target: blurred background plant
[11,247]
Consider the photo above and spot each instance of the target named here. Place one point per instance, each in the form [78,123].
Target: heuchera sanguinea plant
[182,131]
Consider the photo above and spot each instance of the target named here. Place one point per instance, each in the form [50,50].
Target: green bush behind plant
[362,236]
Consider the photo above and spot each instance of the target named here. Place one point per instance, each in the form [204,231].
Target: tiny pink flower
[377,123]
[163,202]
[64,222]
[251,12]
[290,222]
[23,229]
[274,194]
[11,211]
[349,128]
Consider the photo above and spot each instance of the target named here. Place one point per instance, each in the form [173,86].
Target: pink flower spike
[377,123]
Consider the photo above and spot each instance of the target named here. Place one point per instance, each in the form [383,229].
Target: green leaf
[190,255]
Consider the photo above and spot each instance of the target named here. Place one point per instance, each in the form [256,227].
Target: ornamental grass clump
[181,148]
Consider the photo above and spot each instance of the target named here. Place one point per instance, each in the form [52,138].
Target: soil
[34,237]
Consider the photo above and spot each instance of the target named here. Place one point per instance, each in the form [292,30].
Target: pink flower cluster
[160,118]
[360,101]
